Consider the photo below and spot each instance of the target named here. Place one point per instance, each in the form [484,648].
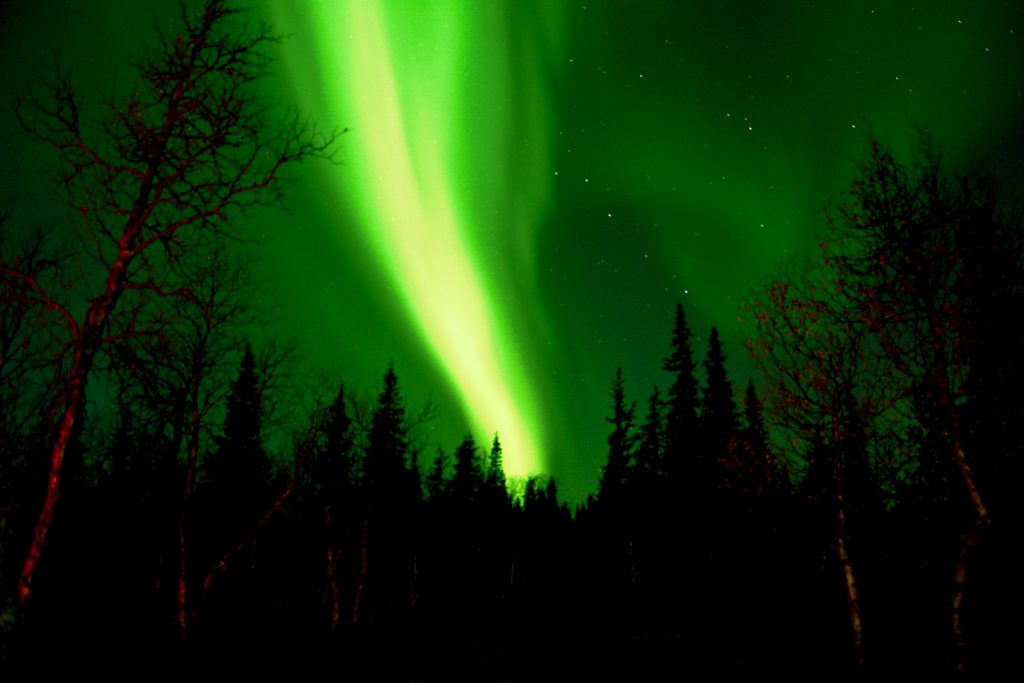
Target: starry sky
[528,187]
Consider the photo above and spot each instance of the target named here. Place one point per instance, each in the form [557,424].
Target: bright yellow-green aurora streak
[407,78]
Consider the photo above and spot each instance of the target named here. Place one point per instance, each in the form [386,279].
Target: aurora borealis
[421,204]
[527,188]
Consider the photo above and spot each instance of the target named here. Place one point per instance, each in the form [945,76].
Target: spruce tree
[414,481]
[682,502]
[755,442]
[719,421]
[243,423]
[332,499]
[650,446]
[495,494]
[681,423]
[387,444]
[468,478]
[620,446]
[496,467]
[331,465]
[238,471]
[385,538]
[438,484]
[551,498]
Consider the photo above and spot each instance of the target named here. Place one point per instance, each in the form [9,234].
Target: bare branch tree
[907,235]
[183,368]
[186,151]
[826,389]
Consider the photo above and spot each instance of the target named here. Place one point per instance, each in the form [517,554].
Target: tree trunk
[73,398]
[86,342]
[181,595]
[968,541]
[332,571]
[357,607]
[850,581]
[945,405]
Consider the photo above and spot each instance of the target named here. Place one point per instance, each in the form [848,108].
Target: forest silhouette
[852,510]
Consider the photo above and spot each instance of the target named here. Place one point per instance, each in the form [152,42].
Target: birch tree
[177,160]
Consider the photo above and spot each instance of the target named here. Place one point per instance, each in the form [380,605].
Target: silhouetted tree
[495,479]
[650,447]
[330,468]
[682,426]
[25,333]
[468,477]
[684,500]
[827,391]
[719,422]
[497,509]
[238,470]
[438,482]
[617,468]
[919,247]
[182,373]
[185,152]
[28,381]
[384,546]
[758,473]
[387,446]
[333,496]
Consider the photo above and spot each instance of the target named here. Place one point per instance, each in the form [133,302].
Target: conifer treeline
[705,539]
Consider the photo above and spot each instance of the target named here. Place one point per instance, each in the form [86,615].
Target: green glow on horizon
[431,150]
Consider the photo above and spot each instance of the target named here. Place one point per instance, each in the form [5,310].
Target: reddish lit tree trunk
[224,563]
[842,541]
[333,555]
[850,582]
[73,402]
[86,342]
[971,538]
[980,511]
[181,594]
[968,540]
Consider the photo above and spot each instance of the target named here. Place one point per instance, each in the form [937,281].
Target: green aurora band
[428,111]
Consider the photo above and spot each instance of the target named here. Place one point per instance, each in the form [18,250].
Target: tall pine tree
[330,467]
[468,478]
[386,450]
[682,427]
[719,421]
[616,470]
[438,483]
[760,468]
[238,471]
[384,544]
[648,461]
[332,495]
[496,467]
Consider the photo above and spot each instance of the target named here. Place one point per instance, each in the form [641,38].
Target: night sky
[528,187]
